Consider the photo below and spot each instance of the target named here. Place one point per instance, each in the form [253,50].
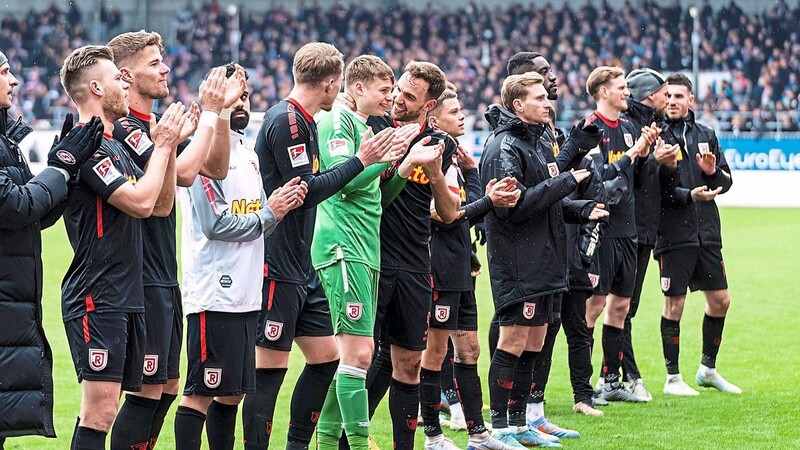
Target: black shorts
[221,353]
[404,307]
[108,347]
[289,310]
[164,322]
[613,270]
[454,310]
[533,312]
[695,268]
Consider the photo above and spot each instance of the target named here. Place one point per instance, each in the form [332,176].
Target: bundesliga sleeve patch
[138,141]
[298,155]
[338,147]
[106,171]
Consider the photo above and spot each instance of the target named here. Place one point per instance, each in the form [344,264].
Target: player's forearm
[142,197]
[445,201]
[166,198]
[190,161]
[218,158]
[325,185]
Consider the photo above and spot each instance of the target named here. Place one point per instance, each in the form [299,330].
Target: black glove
[75,145]
[480,233]
[588,241]
[586,136]
[474,262]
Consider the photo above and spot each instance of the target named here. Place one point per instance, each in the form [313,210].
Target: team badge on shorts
[552,168]
[98,359]
[628,139]
[212,378]
[442,313]
[354,311]
[594,279]
[273,330]
[665,281]
[150,365]
[528,310]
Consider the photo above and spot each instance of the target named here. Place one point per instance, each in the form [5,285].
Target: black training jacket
[683,222]
[527,244]
[646,195]
[27,204]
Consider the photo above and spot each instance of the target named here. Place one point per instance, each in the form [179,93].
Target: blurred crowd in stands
[757,57]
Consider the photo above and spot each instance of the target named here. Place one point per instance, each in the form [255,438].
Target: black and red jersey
[160,250]
[288,146]
[617,172]
[106,272]
[406,221]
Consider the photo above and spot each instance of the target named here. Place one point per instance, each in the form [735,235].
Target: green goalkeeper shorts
[352,291]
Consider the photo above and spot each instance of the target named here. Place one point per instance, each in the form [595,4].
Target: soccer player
[294,305]
[524,284]
[454,313]
[646,105]
[138,57]
[346,246]
[223,249]
[614,272]
[405,291]
[689,241]
[28,204]
[102,295]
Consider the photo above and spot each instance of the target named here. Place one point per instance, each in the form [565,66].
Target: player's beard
[240,119]
[115,105]
[407,115]
[156,91]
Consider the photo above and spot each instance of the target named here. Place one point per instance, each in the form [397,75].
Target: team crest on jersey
[702,147]
[552,168]
[212,378]
[338,147]
[273,330]
[354,311]
[665,283]
[442,313]
[106,171]
[138,141]
[528,310]
[594,279]
[298,155]
[628,139]
[150,365]
[98,359]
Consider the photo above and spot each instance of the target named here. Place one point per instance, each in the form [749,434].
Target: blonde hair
[516,86]
[365,69]
[315,62]
[73,71]
[599,77]
[127,45]
[429,72]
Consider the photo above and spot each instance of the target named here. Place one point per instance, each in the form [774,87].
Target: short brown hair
[680,79]
[516,86]
[315,62]
[75,67]
[450,86]
[126,45]
[446,95]
[599,77]
[429,72]
[365,69]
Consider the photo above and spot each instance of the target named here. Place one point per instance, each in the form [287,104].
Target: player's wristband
[208,118]
[225,114]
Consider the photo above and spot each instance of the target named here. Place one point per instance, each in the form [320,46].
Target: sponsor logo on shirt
[298,155]
[150,365]
[244,206]
[614,156]
[418,176]
[556,149]
[225,281]
[212,378]
[138,141]
[338,147]
[106,171]
[98,359]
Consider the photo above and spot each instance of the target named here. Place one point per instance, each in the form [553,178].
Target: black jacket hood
[501,119]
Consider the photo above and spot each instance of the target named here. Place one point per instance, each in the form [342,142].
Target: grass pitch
[759,354]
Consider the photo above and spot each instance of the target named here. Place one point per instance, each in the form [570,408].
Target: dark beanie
[643,82]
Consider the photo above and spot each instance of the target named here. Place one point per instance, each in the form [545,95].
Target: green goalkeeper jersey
[349,222]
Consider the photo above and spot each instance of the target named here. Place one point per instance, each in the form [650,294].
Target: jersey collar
[609,122]
[308,116]
[140,115]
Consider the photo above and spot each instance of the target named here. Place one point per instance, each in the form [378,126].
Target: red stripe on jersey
[266,270]
[609,122]
[270,295]
[89,303]
[308,116]
[86,328]
[99,217]
[203,348]
[140,115]
[108,135]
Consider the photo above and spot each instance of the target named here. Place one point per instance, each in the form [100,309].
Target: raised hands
[213,90]
[503,193]
[166,133]
[75,145]
[235,86]
[375,148]
[287,197]
[466,160]
[666,155]
[707,162]
[192,120]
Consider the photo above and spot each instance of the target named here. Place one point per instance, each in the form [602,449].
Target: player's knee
[360,357]
[719,302]
[100,416]
[406,368]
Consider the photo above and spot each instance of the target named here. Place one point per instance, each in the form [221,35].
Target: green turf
[760,354]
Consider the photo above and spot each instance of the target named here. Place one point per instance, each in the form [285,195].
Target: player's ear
[432,122]
[429,105]
[95,88]
[126,74]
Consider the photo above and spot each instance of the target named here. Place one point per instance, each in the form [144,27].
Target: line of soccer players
[347,231]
